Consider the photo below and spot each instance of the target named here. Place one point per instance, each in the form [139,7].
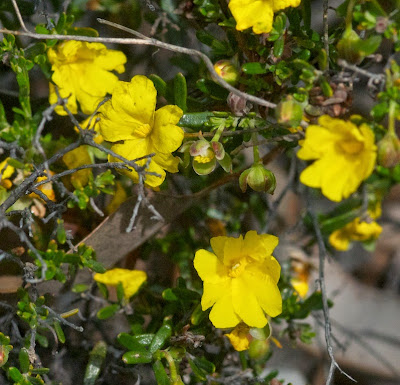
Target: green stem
[256,153]
[218,133]
[172,368]
[243,360]
[349,14]
[392,117]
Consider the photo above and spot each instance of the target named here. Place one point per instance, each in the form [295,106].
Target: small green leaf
[160,374]
[15,374]
[137,357]
[161,337]
[96,359]
[195,120]
[138,342]
[80,288]
[160,84]
[255,68]
[59,332]
[108,311]
[199,373]
[23,358]
[180,91]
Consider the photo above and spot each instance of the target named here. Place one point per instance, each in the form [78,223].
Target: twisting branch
[321,281]
[152,42]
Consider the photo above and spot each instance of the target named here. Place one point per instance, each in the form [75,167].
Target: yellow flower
[344,156]
[46,188]
[76,158]
[258,14]
[6,171]
[82,73]
[130,119]
[354,231]
[240,280]
[240,337]
[131,280]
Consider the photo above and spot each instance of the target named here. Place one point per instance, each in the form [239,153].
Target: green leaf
[195,120]
[180,91]
[15,374]
[160,84]
[59,332]
[161,337]
[96,359]
[138,342]
[120,292]
[43,341]
[108,311]
[212,89]
[255,68]
[137,357]
[199,373]
[80,288]
[23,358]
[160,374]
[205,365]
[279,45]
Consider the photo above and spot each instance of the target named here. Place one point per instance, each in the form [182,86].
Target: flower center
[208,157]
[351,147]
[143,131]
[237,269]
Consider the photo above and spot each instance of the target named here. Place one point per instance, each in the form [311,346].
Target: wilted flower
[240,280]
[240,337]
[344,155]
[74,159]
[81,71]
[6,172]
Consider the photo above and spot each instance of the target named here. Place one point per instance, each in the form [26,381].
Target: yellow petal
[319,140]
[246,305]
[131,106]
[209,267]
[167,162]
[222,314]
[252,13]
[233,252]
[6,170]
[213,292]
[218,246]
[259,246]
[282,4]
[75,158]
[265,290]
[133,149]
[167,136]
[239,337]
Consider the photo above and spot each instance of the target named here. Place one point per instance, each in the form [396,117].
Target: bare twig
[150,42]
[321,281]
[326,31]
[19,16]
[63,320]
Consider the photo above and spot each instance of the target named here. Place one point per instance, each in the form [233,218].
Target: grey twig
[63,320]
[150,42]
[321,280]
[19,16]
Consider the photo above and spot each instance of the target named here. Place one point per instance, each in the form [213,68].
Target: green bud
[227,71]
[389,150]
[289,113]
[258,349]
[258,178]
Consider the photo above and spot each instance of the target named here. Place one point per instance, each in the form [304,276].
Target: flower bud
[204,160]
[258,178]
[289,113]
[258,349]
[389,150]
[227,71]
